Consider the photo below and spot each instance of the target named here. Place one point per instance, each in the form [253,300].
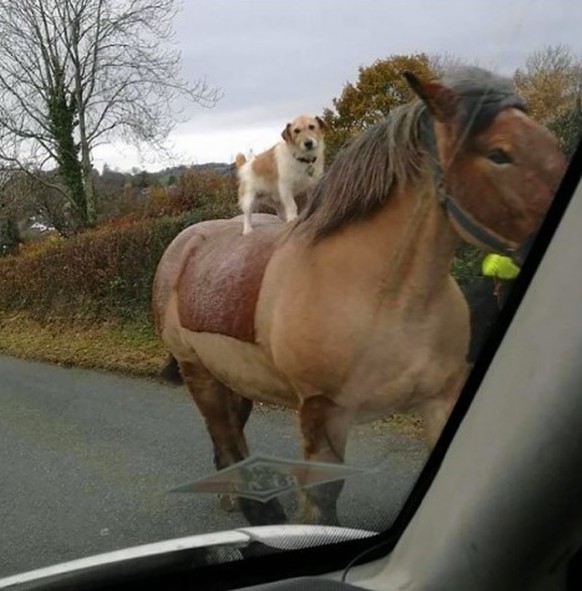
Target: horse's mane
[393,152]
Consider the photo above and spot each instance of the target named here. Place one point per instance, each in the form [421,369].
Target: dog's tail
[240,160]
[171,371]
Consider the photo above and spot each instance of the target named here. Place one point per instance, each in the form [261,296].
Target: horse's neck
[409,242]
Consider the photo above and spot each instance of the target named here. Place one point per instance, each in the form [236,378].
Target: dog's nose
[308,144]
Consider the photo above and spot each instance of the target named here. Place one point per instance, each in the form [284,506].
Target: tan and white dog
[279,174]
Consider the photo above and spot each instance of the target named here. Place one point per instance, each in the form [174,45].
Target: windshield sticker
[262,478]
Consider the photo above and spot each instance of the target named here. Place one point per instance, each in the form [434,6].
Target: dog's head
[305,133]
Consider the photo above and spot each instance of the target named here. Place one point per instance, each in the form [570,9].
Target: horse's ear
[441,101]
[286,133]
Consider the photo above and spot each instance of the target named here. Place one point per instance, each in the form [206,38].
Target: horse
[350,313]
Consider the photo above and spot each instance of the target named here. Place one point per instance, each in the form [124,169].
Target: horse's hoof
[257,513]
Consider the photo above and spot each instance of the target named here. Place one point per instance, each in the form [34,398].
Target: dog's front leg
[280,210]
[246,203]
[289,205]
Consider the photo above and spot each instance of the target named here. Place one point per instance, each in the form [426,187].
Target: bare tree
[14,206]
[77,73]
[550,81]
[441,63]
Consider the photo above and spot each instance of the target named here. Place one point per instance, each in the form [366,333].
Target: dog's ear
[286,133]
[322,123]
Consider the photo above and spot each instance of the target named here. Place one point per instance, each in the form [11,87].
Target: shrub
[466,266]
[209,190]
[106,273]
[103,274]
[45,242]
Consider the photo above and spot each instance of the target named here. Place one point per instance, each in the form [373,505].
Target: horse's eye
[296,130]
[499,156]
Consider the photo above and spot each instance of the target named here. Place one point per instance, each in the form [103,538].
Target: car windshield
[250,252]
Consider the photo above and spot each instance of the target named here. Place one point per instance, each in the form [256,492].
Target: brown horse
[351,313]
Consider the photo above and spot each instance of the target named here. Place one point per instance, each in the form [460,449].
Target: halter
[471,226]
[453,209]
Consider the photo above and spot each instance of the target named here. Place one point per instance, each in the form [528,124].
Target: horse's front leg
[436,410]
[324,426]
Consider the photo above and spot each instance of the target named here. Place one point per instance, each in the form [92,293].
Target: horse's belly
[404,379]
[241,366]
[381,400]
[401,395]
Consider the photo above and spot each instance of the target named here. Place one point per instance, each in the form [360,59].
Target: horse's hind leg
[324,426]
[226,414]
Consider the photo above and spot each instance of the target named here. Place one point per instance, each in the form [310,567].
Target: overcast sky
[275,59]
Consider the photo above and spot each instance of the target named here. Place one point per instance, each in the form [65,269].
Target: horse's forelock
[483,95]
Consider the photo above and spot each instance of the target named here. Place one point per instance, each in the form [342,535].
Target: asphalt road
[87,460]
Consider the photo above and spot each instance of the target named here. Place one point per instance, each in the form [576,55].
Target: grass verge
[128,348]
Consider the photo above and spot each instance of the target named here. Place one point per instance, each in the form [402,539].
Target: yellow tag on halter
[495,265]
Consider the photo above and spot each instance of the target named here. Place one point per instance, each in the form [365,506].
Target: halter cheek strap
[472,227]
[454,210]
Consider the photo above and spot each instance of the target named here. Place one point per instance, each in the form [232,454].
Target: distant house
[33,227]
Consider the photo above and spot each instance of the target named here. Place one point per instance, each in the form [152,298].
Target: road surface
[87,459]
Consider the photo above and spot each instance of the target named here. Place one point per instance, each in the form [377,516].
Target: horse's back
[215,274]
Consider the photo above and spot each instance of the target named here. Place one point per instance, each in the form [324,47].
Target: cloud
[191,148]
[275,60]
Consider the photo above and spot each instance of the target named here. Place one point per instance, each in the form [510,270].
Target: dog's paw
[291,218]
[247,231]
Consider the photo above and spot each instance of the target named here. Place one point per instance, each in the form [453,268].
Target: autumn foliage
[98,275]
[551,84]
[210,191]
[379,88]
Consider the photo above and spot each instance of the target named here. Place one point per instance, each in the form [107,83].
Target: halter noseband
[471,226]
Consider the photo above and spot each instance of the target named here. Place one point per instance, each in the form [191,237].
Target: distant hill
[111,182]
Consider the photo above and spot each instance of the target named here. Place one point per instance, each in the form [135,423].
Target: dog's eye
[311,126]
[499,156]
[296,130]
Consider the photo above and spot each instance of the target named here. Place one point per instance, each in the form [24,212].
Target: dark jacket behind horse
[484,308]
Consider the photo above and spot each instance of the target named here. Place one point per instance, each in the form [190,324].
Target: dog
[279,174]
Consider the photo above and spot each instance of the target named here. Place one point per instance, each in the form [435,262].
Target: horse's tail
[171,371]
[240,160]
